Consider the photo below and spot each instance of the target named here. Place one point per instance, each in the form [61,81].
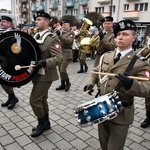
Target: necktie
[38,36]
[117,58]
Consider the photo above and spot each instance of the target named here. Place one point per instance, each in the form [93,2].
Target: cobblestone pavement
[16,124]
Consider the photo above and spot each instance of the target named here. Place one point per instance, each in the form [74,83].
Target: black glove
[39,64]
[101,35]
[57,32]
[126,82]
[90,88]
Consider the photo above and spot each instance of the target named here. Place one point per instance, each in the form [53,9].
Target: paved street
[16,124]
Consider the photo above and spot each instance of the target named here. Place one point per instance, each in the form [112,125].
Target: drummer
[113,133]
[7,24]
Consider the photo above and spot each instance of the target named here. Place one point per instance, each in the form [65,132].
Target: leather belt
[127,104]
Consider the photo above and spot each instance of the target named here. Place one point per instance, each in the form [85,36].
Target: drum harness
[127,72]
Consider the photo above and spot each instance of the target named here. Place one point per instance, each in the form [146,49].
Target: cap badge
[122,25]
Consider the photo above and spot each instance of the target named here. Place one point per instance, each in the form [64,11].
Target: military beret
[6,18]
[124,25]
[41,14]
[108,18]
[64,21]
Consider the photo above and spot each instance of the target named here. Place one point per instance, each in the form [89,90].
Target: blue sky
[6,4]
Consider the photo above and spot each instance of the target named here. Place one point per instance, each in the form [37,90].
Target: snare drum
[98,110]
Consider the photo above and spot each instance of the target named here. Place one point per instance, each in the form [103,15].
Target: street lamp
[111,5]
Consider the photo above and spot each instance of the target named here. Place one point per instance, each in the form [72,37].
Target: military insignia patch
[57,46]
[122,25]
[147,73]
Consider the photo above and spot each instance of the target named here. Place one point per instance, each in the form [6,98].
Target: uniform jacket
[51,52]
[138,88]
[66,40]
[107,43]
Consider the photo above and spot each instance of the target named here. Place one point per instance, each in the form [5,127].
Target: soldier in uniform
[113,133]
[107,42]
[66,36]
[47,72]
[7,24]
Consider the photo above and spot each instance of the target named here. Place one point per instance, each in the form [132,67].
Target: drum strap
[127,71]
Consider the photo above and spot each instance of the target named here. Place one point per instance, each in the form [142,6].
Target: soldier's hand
[126,82]
[39,64]
[57,32]
[89,88]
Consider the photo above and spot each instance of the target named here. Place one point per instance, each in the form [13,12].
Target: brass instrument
[84,41]
[32,31]
[145,52]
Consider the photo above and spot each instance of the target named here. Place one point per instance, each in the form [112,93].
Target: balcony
[53,6]
[24,10]
[41,7]
[132,14]
[104,1]
[33,8]
[70,4]
[132,0]
[84,2]
[105,14]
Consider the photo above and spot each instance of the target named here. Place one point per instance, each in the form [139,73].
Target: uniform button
[108,85]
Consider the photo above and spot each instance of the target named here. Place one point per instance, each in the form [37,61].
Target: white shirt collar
[123,53]
[41,33]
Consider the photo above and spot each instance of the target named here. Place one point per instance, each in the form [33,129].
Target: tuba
[84,41]
[145,52]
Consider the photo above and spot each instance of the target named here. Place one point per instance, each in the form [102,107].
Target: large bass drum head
[18,48]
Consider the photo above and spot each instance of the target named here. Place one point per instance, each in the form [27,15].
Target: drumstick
[18,67]
[112,74]
[86,92]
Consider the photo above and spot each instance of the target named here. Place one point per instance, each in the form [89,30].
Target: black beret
[64,21]
[41,14]
[108,18]
[6,18]
[124,25]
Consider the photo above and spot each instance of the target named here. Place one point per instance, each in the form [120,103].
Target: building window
[141,7]
[75,12]
[86,10]
[99,9]
[113,9]
[126,6]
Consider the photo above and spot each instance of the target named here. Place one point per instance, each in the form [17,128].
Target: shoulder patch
[147,74]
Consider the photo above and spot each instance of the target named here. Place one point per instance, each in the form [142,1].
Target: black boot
[47,122]
[146,122]
[6,103]
[68,84]
[86,68]
[81,69]
[40,127]
[11,102]
[62,86]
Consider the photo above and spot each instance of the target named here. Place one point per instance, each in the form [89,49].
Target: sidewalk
[16,124]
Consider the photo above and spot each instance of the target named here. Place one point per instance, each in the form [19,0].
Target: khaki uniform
[105,45]
[51,52]
[112,134]
[66,41]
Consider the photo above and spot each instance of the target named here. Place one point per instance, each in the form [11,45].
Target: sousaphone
[18,48]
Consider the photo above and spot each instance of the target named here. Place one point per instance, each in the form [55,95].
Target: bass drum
[17,48]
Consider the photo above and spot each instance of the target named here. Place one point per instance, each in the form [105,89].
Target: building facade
[136,10]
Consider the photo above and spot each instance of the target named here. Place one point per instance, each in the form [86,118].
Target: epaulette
[52,35]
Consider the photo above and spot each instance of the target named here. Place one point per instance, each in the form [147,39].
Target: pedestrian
[7,24]
[139,39]
[51,56]
[107,40]
[112,133]
[66,36]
